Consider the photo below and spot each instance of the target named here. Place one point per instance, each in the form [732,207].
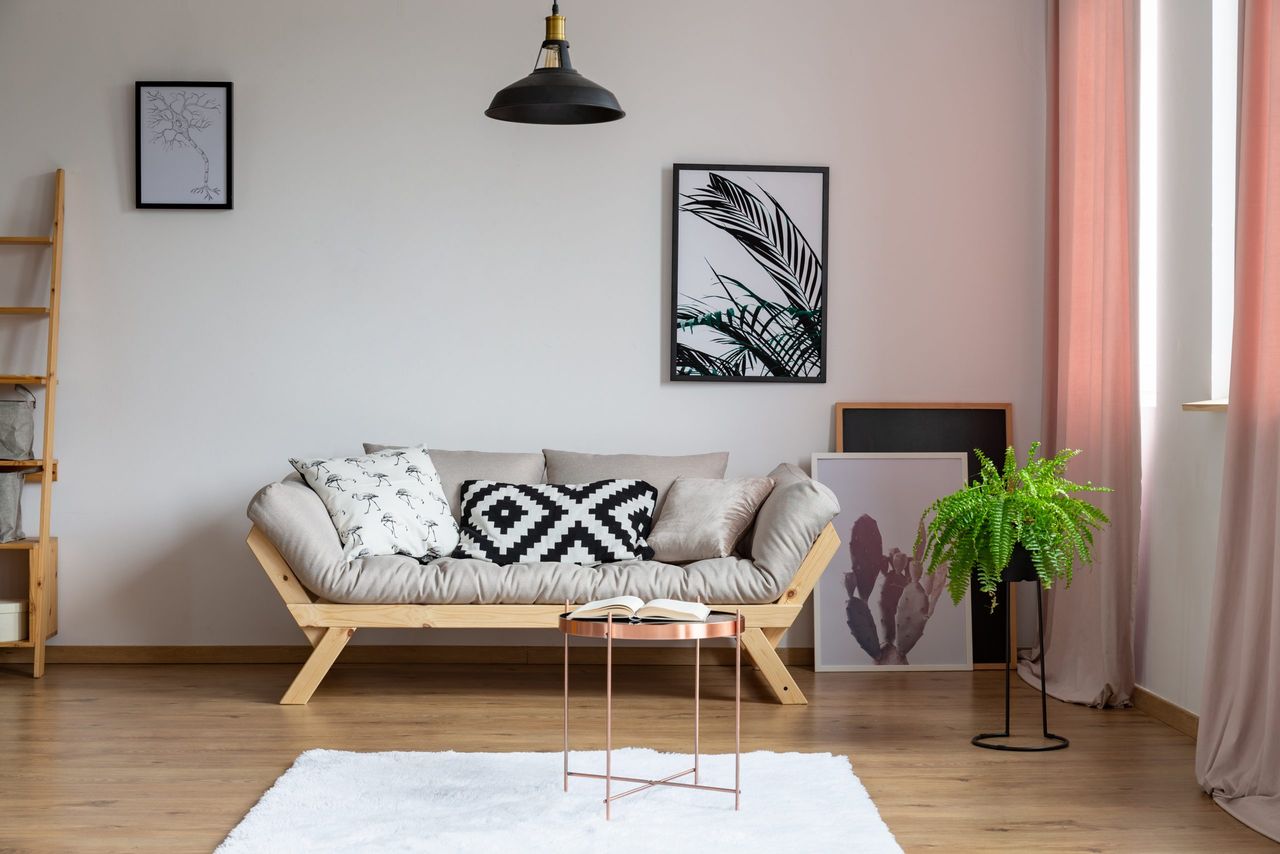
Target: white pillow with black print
[389,502]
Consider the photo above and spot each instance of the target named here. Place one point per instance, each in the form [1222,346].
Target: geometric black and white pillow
[588,523]
[386,503]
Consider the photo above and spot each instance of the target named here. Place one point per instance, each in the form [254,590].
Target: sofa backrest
[455,467]
[659,471]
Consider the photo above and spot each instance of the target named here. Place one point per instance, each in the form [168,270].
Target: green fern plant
[1035,505]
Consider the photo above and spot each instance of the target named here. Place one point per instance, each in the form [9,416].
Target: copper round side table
[719,624]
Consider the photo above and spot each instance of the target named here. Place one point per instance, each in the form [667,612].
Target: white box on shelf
[13,620]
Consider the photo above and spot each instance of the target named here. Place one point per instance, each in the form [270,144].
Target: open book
[634,606]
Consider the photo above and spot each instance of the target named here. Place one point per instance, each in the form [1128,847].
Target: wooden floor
[169,758]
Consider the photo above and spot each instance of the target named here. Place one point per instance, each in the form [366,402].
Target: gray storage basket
[17,436]
[17,427]
[11,506]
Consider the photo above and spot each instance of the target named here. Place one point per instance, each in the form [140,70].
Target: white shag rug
[497,802]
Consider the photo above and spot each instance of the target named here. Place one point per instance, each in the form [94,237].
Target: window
[1226,36]
[1223,65]
[1148,196]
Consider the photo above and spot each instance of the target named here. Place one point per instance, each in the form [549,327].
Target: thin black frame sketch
[139,130]
[674,323]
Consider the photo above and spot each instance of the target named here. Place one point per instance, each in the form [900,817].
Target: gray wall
[400,268]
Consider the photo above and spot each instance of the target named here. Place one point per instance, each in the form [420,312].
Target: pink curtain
[1238,748]
[1091,378]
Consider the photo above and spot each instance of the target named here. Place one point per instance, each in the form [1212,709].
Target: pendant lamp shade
[554,93]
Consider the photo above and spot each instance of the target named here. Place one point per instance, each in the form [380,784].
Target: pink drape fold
[1238,747]
[1091,375]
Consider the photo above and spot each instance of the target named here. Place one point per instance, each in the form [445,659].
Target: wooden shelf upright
[42,550]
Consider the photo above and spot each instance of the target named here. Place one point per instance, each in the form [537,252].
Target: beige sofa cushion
[705,517]
[454,467]
[392,579]
[661,472]
[790,520]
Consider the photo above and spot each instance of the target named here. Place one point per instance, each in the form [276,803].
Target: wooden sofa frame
[329,626]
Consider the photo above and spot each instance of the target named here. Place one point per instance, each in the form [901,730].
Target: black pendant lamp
[554,94]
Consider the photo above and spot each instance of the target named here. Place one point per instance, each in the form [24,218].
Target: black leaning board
[912,430]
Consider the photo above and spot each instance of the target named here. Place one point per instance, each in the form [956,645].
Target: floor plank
[169,758]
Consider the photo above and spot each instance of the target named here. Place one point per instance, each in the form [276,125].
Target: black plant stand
[1055,742]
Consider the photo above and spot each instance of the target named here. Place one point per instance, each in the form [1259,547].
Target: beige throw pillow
[705,517]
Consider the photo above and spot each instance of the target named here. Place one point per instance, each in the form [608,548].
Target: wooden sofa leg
[282,578]
[774,634]
[316,666]
[775,673]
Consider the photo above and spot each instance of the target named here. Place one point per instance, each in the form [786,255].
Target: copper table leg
[608,718]
[737,715]
[697,701]
[566,706]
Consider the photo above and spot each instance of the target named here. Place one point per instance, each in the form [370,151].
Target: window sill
[1219,405]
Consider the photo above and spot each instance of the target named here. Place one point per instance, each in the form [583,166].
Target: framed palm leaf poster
[749,273]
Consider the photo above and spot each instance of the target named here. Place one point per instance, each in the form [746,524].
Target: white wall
[1184,450]
[400,268]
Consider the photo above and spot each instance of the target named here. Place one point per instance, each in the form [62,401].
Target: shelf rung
[24,309]
[28,543]
[22,379]
[33,470]
[21,464]
[28,240]
[15,644]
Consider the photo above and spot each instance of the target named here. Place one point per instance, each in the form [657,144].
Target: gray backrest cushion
[661,472]
[790,520]
[454,467]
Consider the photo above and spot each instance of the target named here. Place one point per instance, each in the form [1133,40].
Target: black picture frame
[226,192]
[674,372]
[921,427]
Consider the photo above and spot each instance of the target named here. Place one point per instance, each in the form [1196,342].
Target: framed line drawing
[182,145]
[946,426]
[875,608]
[749,273]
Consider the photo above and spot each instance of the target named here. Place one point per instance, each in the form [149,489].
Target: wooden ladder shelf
[42,550]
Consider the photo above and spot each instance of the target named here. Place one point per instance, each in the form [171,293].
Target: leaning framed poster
[182,145]
[749,273]
[948,426]
[876,608]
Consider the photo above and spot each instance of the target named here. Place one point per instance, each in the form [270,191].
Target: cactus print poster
[875,608]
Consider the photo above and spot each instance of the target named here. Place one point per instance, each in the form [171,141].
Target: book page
[674,609]
[627,605]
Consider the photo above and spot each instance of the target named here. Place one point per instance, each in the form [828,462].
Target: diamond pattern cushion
[589,523]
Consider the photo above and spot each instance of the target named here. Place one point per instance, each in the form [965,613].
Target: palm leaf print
[761,336]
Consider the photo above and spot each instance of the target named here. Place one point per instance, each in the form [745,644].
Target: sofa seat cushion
[396,579]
